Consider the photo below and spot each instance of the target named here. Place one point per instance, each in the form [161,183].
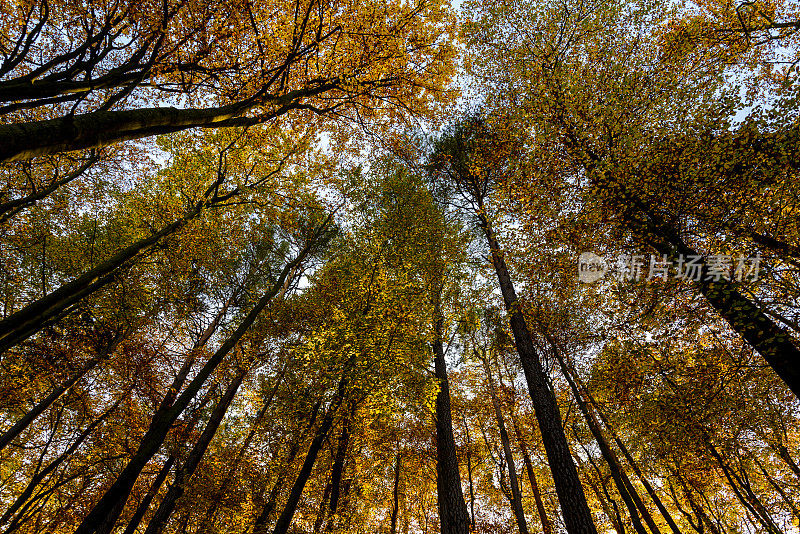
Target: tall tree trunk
[697,508]
[337,470]
[185,472]
[575,509]
[96,129]
[138,515]
[624,487]
[547,526]
[260,525]
[395,495]
[469,471]
[762,333]
[285,519]
[603,498]
[103,516]
[54,395]
[748,499]
[208,518]
[453,517]
[629,457]
[22,324]
[516,494]
[52,466]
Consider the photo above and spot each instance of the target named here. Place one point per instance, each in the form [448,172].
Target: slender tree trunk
[395,495]
[774,483]
[624,487]
[208,519]
[52,466]
[575,509]
[516,494]
[285,519]
[469,472]
[603,498]
[629,457]
[54,395]
[323,508]
[453,517]
[103,516]
[697,508]
[547,526]
[133,524]
[748,499]
[185,472]
[337,470]
[260,525]
[22,324]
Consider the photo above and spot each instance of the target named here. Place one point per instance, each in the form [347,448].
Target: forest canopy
[399,267]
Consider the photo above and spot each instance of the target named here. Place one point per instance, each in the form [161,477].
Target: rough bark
[453,517]
[575,509]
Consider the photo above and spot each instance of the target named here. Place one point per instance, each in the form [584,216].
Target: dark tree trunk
[260,525]
[516,494]
[624,487]
[604,499]
[746,497]
[285,519]
[629,457]
[103,516]
[575,509]
[27,140]
[133,524]
[54,395]
[24,323]
[337,470]
[208,519]
[52,466]
[395,495]
[547,526]
[469,472]
[453,517]
[185,472]
[770,340]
